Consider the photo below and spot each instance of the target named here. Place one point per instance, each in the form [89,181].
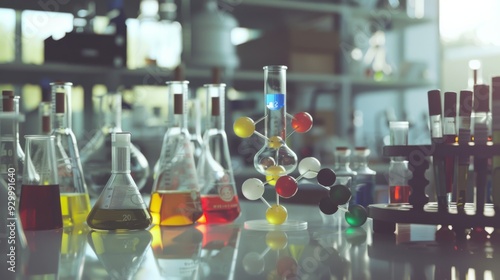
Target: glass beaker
[11,153]
[175,198]
[96,153]
[219,197]
[40,203]
[120,205]
[75,202]
[399,190]
[275,152]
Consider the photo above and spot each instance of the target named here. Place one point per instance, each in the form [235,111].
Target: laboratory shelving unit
[249,13]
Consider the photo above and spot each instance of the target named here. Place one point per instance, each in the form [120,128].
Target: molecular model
[286,186]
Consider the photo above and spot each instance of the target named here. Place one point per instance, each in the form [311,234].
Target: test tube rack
[419,210]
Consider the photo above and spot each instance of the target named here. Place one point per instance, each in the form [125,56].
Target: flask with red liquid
[40,204]
[219,197]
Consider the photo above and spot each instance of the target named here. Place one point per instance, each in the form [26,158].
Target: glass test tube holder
[419,210]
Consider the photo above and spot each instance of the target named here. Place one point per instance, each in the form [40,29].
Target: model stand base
[264,225]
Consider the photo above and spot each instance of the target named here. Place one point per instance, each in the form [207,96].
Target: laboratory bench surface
[328,249]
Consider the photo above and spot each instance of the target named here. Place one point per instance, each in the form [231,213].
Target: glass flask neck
[61,105]
[120,161]
[342,161]
[215,106]
[9,122]
[275,100]
[177,92]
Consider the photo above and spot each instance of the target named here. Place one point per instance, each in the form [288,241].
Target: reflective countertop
[328,249]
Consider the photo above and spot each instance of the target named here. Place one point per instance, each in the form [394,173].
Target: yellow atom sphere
[275,142]
[273,173]
[276,214]
[276,240]
[244,127]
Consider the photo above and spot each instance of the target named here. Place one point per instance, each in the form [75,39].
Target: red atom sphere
[302,122]
[286,186]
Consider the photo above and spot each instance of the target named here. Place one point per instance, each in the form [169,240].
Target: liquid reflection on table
[328,249]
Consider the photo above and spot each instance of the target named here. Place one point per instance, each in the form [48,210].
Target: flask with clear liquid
[96,153]
[11,153]
[219,197]
[120,205]
[75,202]
[365,178]
[175,197]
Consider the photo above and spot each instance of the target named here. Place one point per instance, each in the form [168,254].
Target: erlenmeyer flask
[40,203]
[120,205]
[121,253]
[219,197]
[275,153]
[175,198]
[75,202]
[96,153]
[11,153]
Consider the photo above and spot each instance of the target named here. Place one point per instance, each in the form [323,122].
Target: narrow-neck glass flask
[120,205]
[44,113]
[175,197]
[11,153]
[219,197]
[342,168]
[365,178]
[96,153]
[75,202]
[275,153]
[40,202]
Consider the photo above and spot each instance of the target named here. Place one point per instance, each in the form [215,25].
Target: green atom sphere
[356,216]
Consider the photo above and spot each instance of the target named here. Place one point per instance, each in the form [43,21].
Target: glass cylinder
[275,153]
[399,190]
[365,178]
[96,153]
[11,153]
[75,202]
[175,198]
[40,203]
[219,196]
[120,205]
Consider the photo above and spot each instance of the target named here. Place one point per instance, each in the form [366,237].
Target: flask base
[264,225]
